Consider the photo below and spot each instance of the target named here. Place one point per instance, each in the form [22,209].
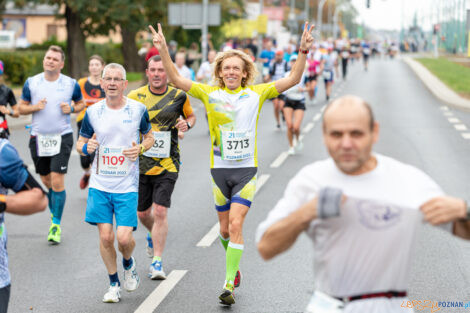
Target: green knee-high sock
[233,256]
[224,241]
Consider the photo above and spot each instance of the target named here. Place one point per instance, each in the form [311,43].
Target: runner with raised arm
[233,108]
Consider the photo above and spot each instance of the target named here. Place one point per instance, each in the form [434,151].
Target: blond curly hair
[249,67]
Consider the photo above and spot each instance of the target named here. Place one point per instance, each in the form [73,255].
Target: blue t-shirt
[267,54]
[12,176]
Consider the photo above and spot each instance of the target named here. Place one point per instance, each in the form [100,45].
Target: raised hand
[92,144]
[158,38]
[307,40]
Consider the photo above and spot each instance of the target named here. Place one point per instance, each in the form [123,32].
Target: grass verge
[455,76]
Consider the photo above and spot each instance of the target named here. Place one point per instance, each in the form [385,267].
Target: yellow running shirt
[233,119]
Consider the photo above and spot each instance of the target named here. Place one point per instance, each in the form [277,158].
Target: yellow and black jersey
[164,111]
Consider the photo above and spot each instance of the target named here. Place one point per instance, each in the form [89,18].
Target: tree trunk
[76,58]
[132,61]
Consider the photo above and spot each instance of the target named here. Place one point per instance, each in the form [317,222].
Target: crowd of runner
[130,154]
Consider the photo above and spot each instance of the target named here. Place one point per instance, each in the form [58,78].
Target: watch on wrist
[304,51]
[189,125]
[142,149]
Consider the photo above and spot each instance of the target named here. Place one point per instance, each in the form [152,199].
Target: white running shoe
[291,151]
[113,295]
[156,271]
[131,278]
[299,146]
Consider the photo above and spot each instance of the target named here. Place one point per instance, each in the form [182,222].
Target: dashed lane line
[466,135]
[158,294]
[453,120]
[460,127]
[209,238]
[279,160]
[308,128]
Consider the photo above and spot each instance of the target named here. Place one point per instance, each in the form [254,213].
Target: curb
[437,87]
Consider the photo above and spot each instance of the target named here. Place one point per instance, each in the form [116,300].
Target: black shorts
[57,163]
[4,298]
[233,185]
[156,189]
[281,97]
[310,78]
[295,104]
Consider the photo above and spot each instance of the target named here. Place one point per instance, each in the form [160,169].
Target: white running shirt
[366,249]
[51,120]
[116,128]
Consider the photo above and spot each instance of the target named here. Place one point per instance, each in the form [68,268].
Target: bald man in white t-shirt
[355,206]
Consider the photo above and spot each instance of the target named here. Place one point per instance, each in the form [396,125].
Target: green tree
[73,14]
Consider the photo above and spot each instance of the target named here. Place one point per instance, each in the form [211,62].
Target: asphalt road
[415,128]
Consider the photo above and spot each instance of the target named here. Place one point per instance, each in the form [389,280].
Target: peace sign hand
[158,38]
[306,42]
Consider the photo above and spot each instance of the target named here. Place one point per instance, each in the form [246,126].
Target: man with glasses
[112,128]
[48,96]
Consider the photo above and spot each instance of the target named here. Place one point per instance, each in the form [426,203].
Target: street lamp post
[319,15]
[205,15]
[260,37]
[338,9]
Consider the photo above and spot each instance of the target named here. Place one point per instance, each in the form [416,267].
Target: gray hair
[115,66]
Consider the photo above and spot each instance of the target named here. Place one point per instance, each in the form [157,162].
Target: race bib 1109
[111,162]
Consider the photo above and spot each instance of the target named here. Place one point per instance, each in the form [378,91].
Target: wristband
[84,149]
[3,204]
[303,51]
[329,201]
[142,149]
[189,125]
[72,109]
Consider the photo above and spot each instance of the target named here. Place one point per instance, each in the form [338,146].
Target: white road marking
[466,135]
[308,128]
[158,295]
[317,117]
[261,181]
[453,120]
[460,127]
[279,160]
[444,108]
[448,113]
[323,108]
[301,137]
[209,238]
